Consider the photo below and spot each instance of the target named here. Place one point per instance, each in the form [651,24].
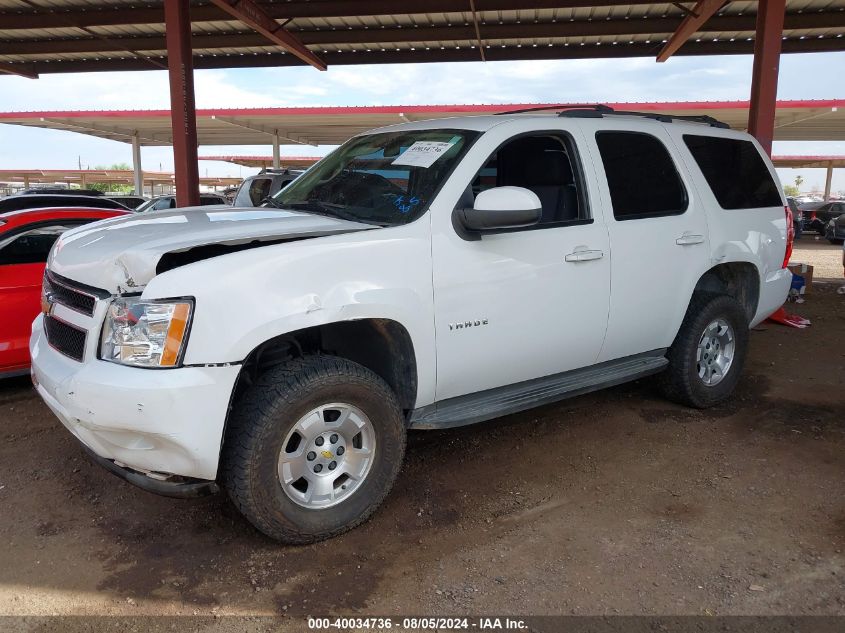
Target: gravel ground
[614,502]
[824,257]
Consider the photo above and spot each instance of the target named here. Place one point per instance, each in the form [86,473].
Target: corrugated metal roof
[79,35]
[808,120]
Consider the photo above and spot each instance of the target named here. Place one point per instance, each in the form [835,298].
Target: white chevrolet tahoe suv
[425,275]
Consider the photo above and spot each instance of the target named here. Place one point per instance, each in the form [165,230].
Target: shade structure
[265,162]
[816,162]
[105,176]
[97,35]
[805,120]
[93,35]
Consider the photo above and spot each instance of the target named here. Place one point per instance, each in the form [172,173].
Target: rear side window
[735,171]
[253,192]
[641,176]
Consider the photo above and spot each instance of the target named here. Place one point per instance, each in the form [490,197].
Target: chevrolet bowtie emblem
[326,454]
[46,303]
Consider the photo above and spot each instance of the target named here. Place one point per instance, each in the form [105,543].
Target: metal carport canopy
[93,35]
[808,120]
[37,37]
[88,176]
[828,163]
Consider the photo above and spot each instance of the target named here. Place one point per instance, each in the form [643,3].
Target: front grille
[65,338]
[70,297]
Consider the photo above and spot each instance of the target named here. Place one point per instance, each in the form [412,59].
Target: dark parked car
[127,200]
[816,219]
[835,230]
[263,185]
[797,217]
[169,202]
[35,191]
[32,201]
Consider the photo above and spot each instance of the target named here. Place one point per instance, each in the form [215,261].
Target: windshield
[386,179]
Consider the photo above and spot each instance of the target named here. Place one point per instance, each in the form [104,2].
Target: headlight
[146,333]
[46,289]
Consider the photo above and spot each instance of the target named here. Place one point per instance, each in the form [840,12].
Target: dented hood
[121,254]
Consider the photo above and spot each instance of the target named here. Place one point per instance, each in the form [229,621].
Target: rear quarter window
[735,171]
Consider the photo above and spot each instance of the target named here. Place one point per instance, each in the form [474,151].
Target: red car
[26,237]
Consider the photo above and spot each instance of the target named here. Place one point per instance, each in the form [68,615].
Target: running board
[493,403]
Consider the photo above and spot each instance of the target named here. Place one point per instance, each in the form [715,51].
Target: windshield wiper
[272,202]
[331,210]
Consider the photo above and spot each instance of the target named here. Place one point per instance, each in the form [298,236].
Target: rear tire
[321,424]
[707,356]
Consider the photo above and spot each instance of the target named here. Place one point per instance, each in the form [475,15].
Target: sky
[802,76]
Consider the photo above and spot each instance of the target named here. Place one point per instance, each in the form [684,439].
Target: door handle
[583,256]
[687,239]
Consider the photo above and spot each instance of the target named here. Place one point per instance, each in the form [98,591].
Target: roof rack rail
[275,170]
[598,110]
[597,107]
[591,112]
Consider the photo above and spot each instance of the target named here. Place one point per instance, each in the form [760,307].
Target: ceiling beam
[258,128]
[696,18]
[35,6]
[109,14]
[404,56]
[580,28]
[800,119]
[256,18]
[21,70]
[477,29]
[96,130]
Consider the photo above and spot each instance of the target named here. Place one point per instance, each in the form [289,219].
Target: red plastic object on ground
[792,320]
[26,237]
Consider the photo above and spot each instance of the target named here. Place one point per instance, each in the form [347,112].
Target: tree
[112,186]
[114,167]
[798,180]
[790,190]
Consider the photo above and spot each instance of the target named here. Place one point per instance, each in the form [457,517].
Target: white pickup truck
[425,275]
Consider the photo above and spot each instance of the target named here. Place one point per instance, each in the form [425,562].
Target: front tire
[313,448]
[707,356]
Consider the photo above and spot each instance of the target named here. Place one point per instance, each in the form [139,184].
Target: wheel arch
[383,346]
[739,279]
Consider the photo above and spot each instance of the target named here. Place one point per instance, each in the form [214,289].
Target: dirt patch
[614,502]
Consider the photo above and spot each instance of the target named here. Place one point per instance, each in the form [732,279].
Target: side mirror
[501,208]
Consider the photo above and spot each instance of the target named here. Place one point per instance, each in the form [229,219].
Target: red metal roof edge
[267,158]
[283,158]
[809,159]
[81,171]
[486,108]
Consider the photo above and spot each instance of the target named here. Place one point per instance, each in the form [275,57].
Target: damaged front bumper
[177,487]
[152,426]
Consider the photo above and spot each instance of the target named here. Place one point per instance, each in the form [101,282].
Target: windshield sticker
[405,203]
[423,153]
